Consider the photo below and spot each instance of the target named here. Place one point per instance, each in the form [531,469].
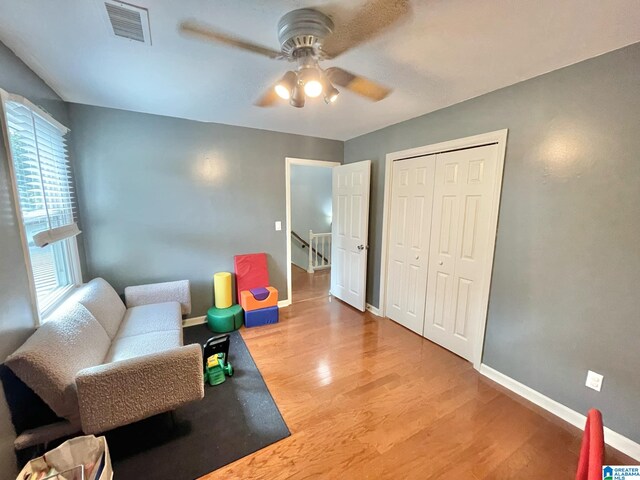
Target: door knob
[440,262]
[360,247]
[417,257]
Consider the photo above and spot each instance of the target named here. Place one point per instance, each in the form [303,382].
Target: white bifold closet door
[440,234]
[463,196]
[412,192]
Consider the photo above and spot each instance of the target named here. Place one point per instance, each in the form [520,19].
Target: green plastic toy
[217,369]
[222,320]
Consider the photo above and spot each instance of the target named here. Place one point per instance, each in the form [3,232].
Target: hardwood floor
[366,398]
[309,286]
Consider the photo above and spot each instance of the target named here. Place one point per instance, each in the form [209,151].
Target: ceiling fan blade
[357,84]
[371,20]
[201,30]
[268,99]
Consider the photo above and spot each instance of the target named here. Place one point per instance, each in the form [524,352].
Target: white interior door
[410,230]
[462,203]
[349,228]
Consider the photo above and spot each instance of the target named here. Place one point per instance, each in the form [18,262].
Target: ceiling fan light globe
[313,88]
[283,92]
[331,94]
[296,102]
[297,97]
[286,84]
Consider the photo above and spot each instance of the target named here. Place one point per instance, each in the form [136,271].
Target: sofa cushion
[103,302]
[49,360]
[158,317]
[143,344]
[176,291]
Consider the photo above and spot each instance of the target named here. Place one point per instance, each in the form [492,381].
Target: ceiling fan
[307,37]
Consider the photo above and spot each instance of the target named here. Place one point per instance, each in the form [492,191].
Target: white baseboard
[374,310]
[617,441]
[189,322]
[284,303]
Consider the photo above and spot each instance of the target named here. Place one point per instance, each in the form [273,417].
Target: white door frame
[499,137]
[287,173]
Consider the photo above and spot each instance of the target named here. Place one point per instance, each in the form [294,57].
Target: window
[45,199]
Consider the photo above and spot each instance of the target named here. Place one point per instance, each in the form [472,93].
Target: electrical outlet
[594,380]
[278,226]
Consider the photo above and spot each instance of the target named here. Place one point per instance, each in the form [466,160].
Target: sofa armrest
[119,393]
[179,291]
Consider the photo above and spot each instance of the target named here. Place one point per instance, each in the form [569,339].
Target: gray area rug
[234,419]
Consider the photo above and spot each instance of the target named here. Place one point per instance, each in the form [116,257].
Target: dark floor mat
[233,420]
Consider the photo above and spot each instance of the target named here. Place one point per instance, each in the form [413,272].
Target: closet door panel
[410,230]
[463,196]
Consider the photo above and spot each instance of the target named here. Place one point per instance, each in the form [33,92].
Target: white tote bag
[81,458]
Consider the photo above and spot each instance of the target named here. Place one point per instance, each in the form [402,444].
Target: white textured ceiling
[446,51]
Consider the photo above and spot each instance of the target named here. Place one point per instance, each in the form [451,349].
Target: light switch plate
[278,226]
[594,380]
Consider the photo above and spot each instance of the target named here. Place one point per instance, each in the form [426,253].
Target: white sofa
[99,365]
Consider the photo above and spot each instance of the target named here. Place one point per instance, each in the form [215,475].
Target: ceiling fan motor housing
[303,29]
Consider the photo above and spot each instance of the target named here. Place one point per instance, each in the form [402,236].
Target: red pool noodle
[592,449]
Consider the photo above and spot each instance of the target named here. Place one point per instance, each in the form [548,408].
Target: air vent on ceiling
[129,21]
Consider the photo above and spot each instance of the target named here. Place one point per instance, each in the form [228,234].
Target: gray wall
[564,295]
[164,199]
[17,321]
[167,198]
[310,206]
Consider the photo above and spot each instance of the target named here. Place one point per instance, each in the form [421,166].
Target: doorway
[439,227]
[309,220]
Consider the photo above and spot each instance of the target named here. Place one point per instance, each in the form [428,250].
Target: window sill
[56,302]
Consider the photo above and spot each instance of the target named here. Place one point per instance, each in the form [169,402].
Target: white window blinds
[42,172]
[45,198]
